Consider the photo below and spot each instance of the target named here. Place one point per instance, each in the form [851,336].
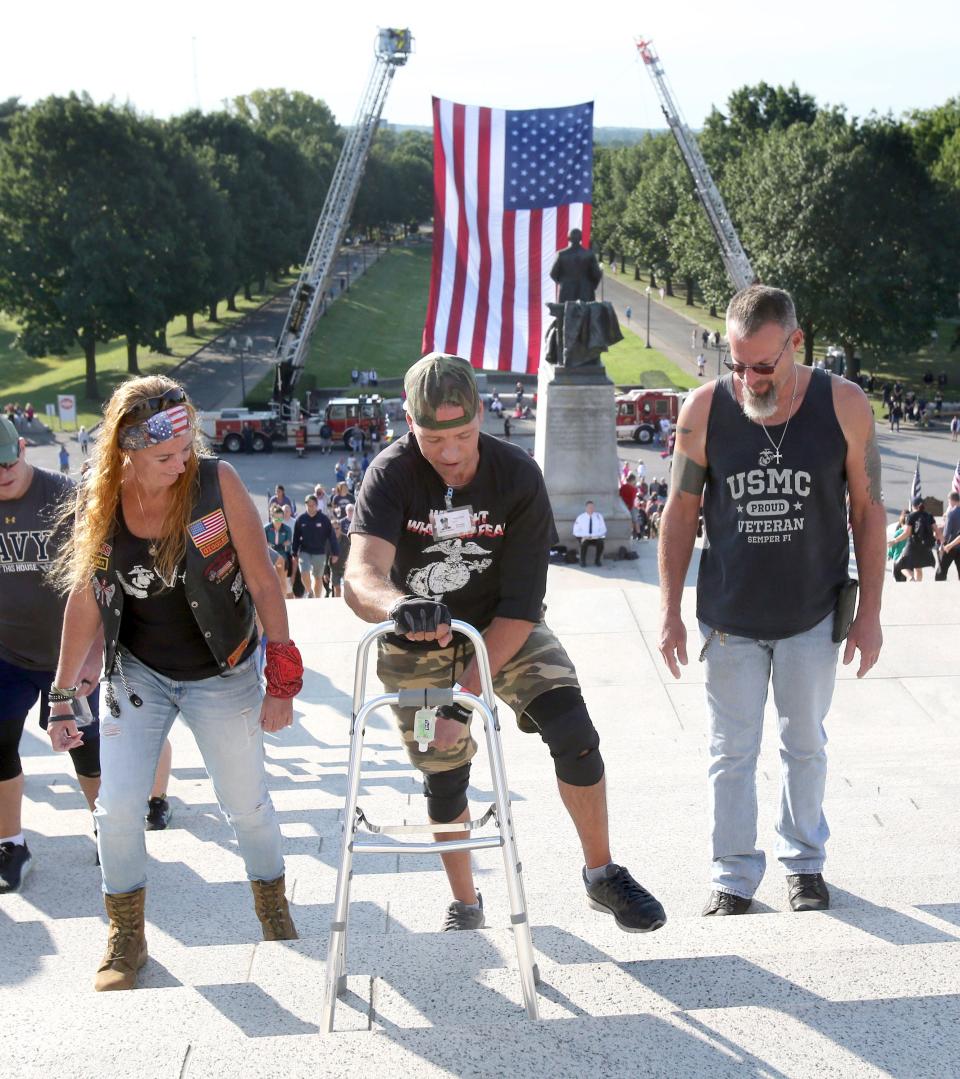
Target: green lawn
[380,321]
[377,324]
[628,363]
[38,380]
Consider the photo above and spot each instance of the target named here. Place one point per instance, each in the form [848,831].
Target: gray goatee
[759,406]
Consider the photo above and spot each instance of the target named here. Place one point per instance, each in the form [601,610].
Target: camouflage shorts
[541,664]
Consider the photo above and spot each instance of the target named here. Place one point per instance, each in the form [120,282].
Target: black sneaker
[808,891]
[158,814]
[461,916]
[633,907]
[15,861]
[722,903]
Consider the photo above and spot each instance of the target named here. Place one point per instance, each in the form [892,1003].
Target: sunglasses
[151,406]
[758,368]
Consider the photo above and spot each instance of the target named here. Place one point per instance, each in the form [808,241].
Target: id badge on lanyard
[450,523]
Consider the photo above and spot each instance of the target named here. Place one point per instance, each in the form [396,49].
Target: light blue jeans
[223,712]
[738,674]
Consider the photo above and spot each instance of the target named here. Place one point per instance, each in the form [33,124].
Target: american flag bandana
[159,428]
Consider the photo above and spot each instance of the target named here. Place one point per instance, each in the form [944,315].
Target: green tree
[846,218]
[932,129]
[752,111]
[8,110]
[305,120]
[84,206]
[652,206]
[238,158]
[397,185]
[199,263]
[616,173]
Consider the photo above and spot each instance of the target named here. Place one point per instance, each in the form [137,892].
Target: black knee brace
[565,725]
[10,732]
[446,793]
[86,758]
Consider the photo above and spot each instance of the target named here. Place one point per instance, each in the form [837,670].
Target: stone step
[61,956]
[729,1019]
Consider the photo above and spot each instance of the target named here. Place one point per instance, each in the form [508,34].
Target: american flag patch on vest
[209,533]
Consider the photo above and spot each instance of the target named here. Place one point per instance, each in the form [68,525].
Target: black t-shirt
[921,524]
[157,625]
[499,571]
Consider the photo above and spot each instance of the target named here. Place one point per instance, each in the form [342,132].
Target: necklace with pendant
[151,544]
[777,456]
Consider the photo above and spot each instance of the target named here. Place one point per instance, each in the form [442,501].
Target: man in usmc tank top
[774,449]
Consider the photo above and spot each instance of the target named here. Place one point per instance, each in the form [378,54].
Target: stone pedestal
[576,447]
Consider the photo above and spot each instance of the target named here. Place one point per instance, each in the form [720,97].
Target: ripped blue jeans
[223,712]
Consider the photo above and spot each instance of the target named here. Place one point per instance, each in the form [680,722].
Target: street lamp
[648,316]
[241,348]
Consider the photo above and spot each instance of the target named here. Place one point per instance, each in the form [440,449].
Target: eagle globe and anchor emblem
[453,572]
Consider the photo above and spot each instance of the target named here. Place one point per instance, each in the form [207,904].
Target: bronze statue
[582,328]
[576,270]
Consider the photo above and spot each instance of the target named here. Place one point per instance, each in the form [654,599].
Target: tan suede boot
[270,901]
[126,944]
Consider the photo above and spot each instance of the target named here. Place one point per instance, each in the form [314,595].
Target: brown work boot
[270,902]
[126,945]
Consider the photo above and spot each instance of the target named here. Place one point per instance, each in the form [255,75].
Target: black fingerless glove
[455,711]
[414,614]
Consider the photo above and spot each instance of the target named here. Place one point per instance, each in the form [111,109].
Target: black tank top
[778,548]
[157,625]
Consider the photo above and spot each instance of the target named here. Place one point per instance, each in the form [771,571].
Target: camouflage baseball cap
[438,380]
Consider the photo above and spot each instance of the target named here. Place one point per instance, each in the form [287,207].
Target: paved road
[669,332]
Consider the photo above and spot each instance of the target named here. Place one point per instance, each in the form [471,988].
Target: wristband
[283,670]
[455,711]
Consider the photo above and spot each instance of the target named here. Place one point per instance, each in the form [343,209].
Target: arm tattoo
[871,462]
[685,430]
[688,475]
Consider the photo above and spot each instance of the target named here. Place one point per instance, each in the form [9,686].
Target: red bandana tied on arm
[284,670]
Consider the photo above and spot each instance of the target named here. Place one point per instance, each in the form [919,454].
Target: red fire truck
[640,411]
[343,420]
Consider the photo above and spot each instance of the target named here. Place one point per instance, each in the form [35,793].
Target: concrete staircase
[871,988]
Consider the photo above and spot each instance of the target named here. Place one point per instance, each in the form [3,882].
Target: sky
[165,58]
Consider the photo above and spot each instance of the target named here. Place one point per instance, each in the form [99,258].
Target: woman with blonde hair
[169,556]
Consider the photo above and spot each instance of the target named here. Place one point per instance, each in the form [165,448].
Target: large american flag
[508,185]
[955,486]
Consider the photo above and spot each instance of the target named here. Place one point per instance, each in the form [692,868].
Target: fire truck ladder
[731,250]
[392,50]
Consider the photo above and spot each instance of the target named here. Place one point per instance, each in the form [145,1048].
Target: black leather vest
[214,585]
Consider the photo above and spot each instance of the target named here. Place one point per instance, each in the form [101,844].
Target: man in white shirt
[590,528]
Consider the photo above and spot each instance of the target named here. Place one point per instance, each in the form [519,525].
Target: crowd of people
[644,502]
[19,414]
[905,404]
[309,551]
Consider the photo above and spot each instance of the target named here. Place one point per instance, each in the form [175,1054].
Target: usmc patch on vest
[209,533]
